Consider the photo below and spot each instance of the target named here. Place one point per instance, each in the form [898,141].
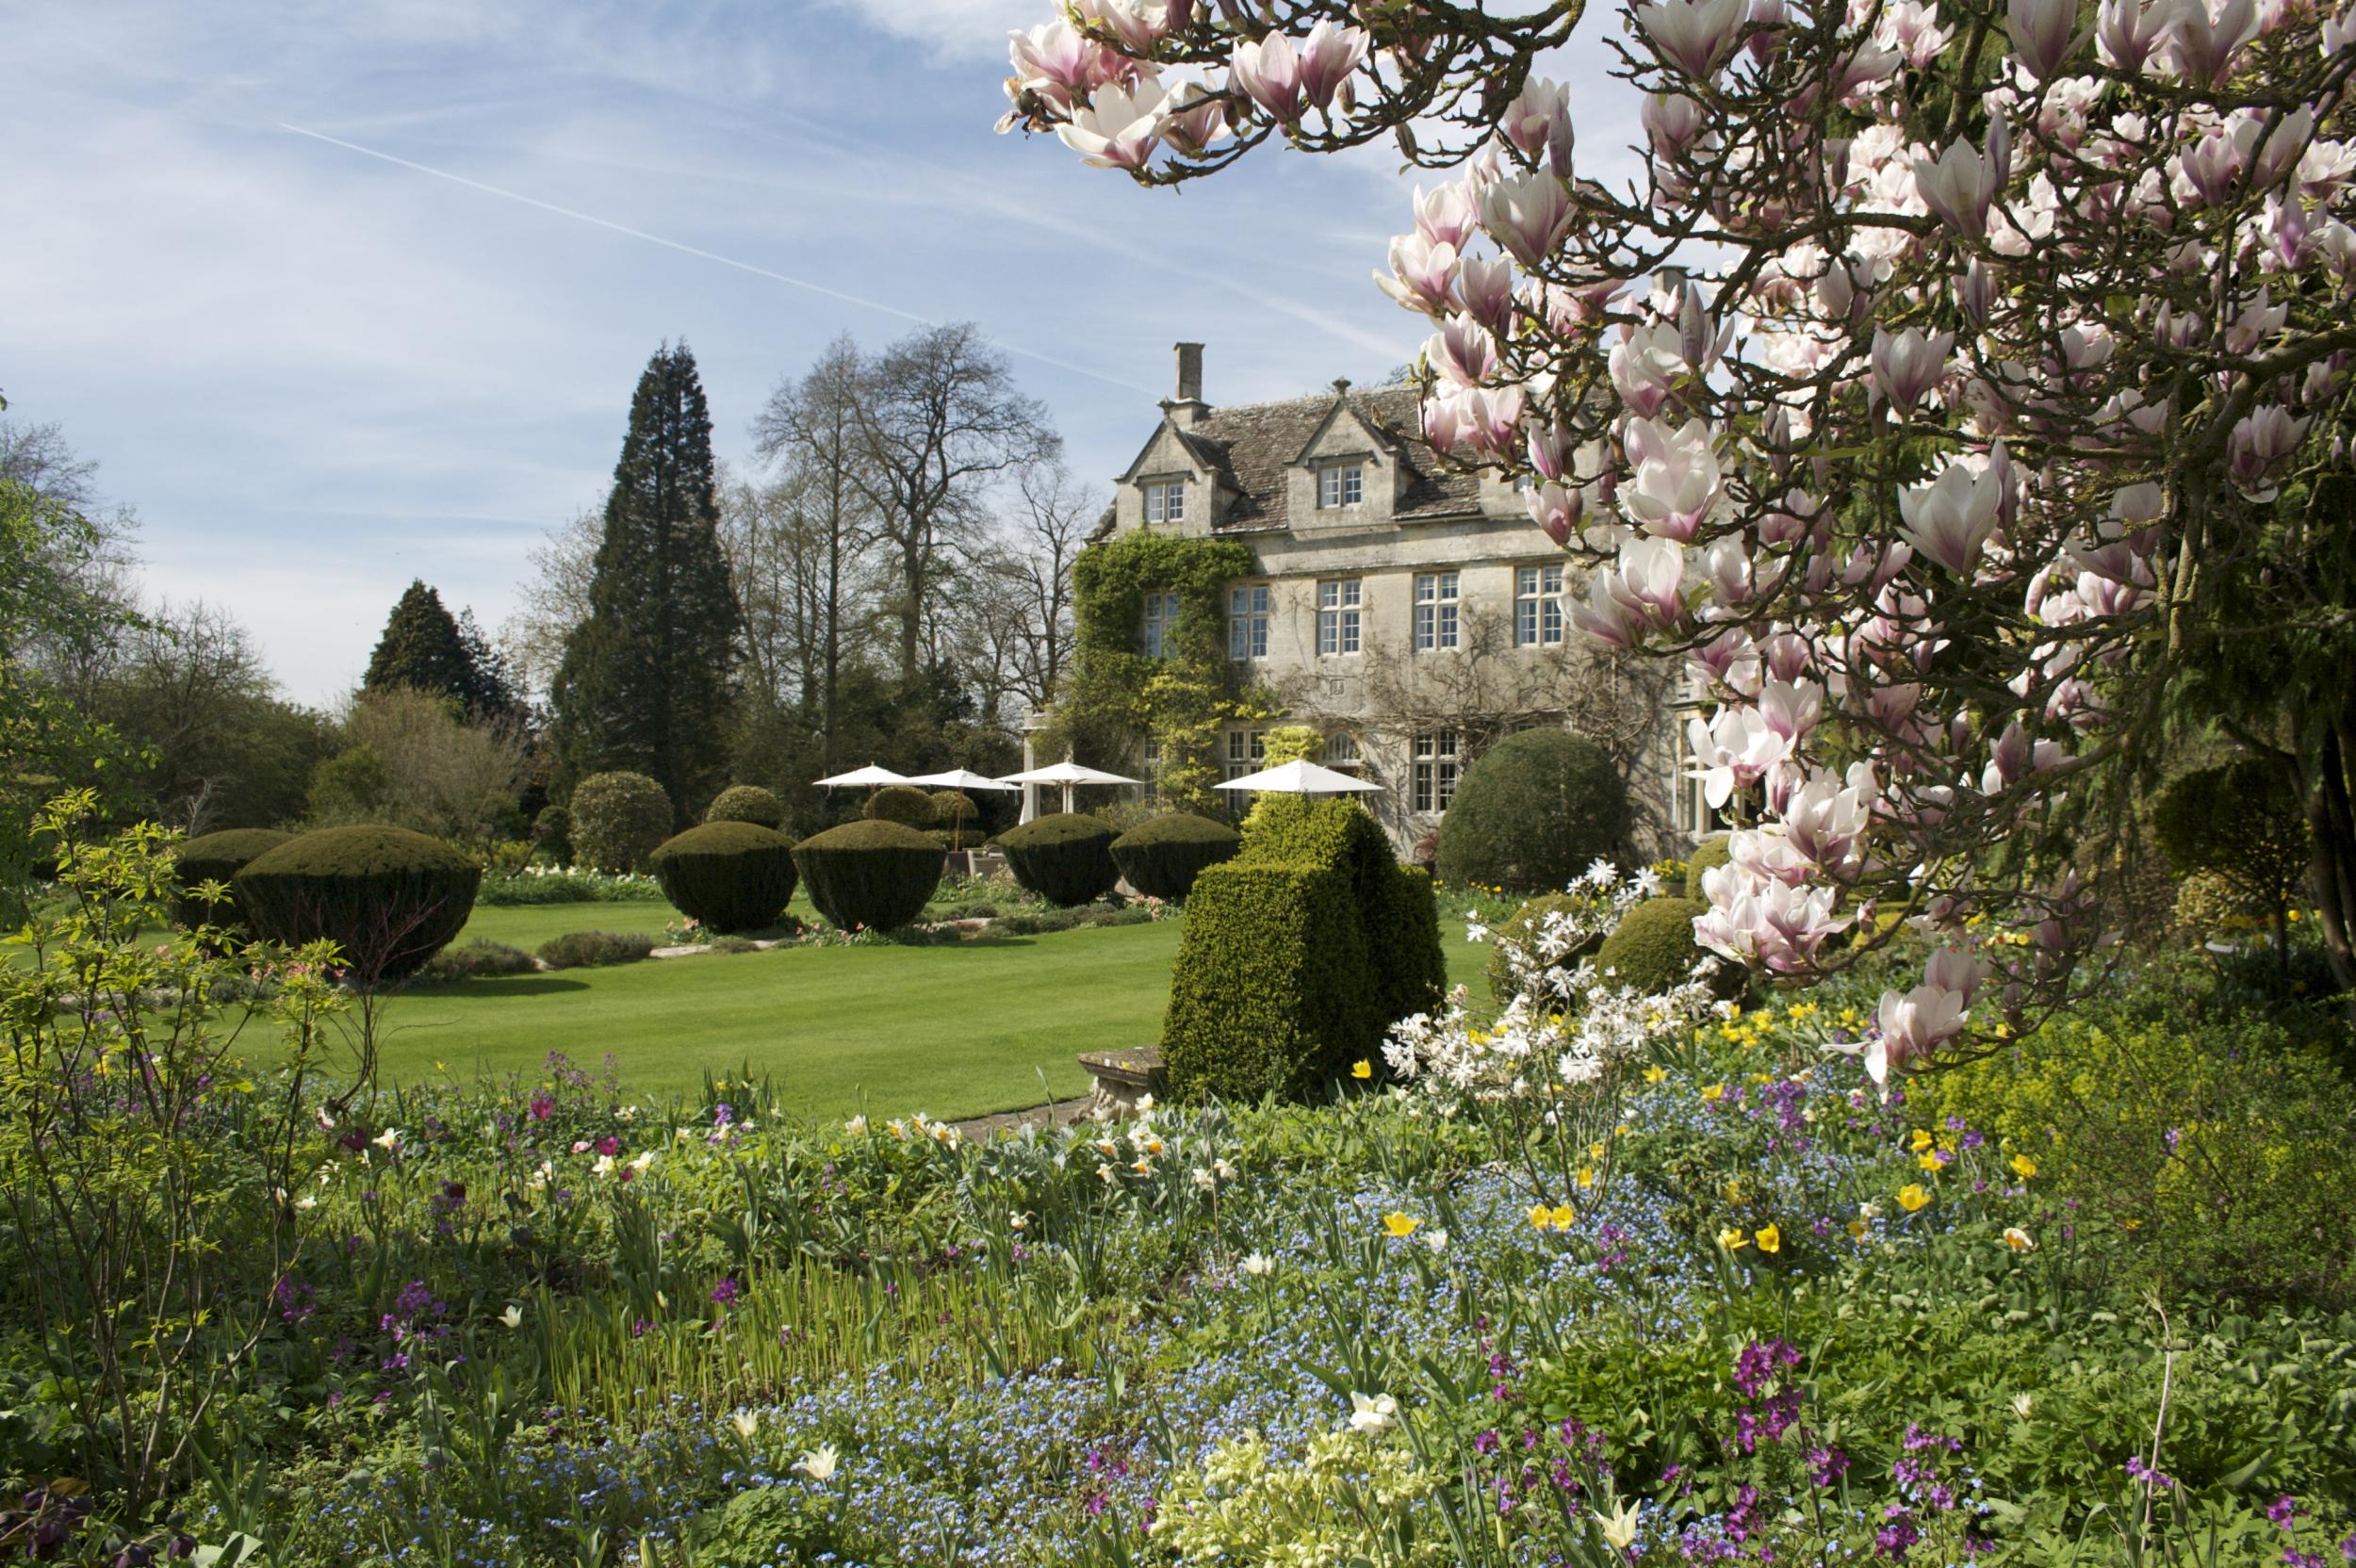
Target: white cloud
[954,29]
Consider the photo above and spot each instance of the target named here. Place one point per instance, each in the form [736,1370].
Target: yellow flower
[1564,1214]
[1856,1230]
[2130,1224]
[1911,1197]
[1714,1093]
[1770,1239]
[1586,1176]
[1362,1069]
[1540,1216]
[2019,1239]
[1929,1160]
[1922,1140]
[1733,1190]
[1400,1224]
[1594,1149]
[1654,1074]
[1732,1239]
[2024,1167]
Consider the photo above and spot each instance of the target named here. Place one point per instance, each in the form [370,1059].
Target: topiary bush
[954,807]
[1708,855]
[1162,857]
[618,819]
[1397,906]
[595,949]
[869,875]
[389,898]
[1269,995]
[1653,949]
[731,875]
[1065,857]
[219,858]
[1522,929]
[552,835]
[747,803]
[1531,813]
[902,803]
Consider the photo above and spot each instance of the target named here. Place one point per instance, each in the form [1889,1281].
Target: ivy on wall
[1115,696]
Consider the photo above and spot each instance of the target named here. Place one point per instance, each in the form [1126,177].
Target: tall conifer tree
[421,649]
[644,682]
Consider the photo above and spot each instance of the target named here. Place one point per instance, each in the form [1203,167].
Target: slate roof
[1248,446]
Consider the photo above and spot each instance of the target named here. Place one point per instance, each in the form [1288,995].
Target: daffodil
[2024,1167]
[1401,1225]
[2019,1239]
[1586,1176]
[1912,1197]
[1713,1094]
[1922,1139]
[1654,1074]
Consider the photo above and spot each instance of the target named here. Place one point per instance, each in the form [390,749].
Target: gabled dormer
[1173,485]
[1347,474]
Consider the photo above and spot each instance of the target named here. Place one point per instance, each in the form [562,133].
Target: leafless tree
[1014,609]
[555,599]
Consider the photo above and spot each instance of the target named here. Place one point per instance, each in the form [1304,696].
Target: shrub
[2242,823]
[1533,813]
[1161,858]
[552,835]
[1291,742]
[1708,855]
[595,949]
[477,960]
[618,819]
[1269,995]
[389,898]
[954,806]
[1397,908]
[873,874]
[747,803]
[731,875]
[1653,949]
[1037,923]
[1521,930]
[217,857]
[1065,857]
[902,803]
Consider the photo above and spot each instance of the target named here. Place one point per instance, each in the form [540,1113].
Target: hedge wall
[219,858]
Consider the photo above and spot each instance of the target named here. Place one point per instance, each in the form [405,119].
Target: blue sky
[318,373]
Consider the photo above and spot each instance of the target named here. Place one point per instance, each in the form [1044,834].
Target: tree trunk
[2332,828]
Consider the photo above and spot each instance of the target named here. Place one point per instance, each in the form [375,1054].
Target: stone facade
[1408,608]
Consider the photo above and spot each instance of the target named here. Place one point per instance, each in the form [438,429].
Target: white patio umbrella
[1300,778]
[870,778]
[961,780]
[1066,774]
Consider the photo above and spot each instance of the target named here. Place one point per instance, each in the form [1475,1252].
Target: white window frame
[1249,606]
[1247,753]
[1437,768]
[1341,484]
[1538,606]
[1342,753]
[1341,606]
[1165,500]
[1161,625]
[1438,601]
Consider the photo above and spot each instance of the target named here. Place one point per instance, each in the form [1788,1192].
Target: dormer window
[1341,484]
[1165,502]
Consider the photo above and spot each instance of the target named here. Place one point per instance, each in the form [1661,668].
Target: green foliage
[1292,743]
[1397,909]
[904,803]
[219,858]
[1521,930]
[1533,813]
[1065,856]
[954,806]
[477,960]
[747,803]
[869,875]
[552,833]
[1341,1502]
[618,819]
[2240,822]
[644,682]
[1269,995]
[388,899]
[416,760]
[1653,947]
[730,875]
[1114,693]
[1708,855]
[1161,856]
[2221,1141]
[595,949]
[424,649]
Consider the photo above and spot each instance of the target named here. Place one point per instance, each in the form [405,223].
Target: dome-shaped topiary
[1065,857]
[902,803]
[730,875]
[868,873]
[747,803]
[1522,930]
[1653,949]
[389,898]
[958,820]
[219,858]
[618,818]
[1533,813]
[552,833]
[1161,856]
[1708,855]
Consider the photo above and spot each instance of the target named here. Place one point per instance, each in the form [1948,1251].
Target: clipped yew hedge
[1162,855]
[1064,858]
[1531,813]
[1653,949]
[747,803]
[219,858]
[1708,857]
[389,898]
[730,875]
[618,819]
[869,875]
[904,804]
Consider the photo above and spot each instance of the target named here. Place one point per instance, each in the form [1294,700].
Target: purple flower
[726,1291]
[542,1107]
[2284,1511]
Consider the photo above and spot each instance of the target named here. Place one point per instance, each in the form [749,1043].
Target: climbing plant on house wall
[1116,694]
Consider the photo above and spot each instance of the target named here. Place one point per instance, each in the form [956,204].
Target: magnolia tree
[1958,390]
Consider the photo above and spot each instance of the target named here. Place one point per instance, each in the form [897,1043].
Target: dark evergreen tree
[646,681]
[421,649]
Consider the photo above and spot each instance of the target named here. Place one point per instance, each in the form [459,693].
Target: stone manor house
[1409,610]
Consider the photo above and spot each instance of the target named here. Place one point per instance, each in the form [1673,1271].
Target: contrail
[700,255]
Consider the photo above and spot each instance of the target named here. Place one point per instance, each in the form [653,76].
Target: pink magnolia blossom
[1911,1028]
[1555,509]
[1528,214]
[2129,32]
[1327,56]
[1447,215]
[1485,284]
[1422,276]
[1138,23]
[1950,519]
[2258,445]
[1644,364]
[1269,71]
[1908,367]
[1695,36]
[1538,124]
[1958,187]
[1676,477]
[2041,31]
[1056,62]
[1462,351]
[2202,43]
[1120,126]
